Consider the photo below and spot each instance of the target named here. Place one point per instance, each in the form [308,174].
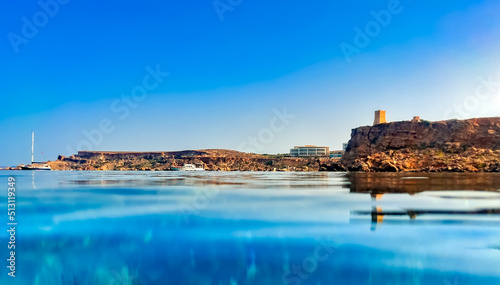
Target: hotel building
[310,150]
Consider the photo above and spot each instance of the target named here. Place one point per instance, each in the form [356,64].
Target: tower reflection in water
[466,187]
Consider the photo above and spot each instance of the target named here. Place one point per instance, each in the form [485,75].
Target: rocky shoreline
[212,159]
[408,146]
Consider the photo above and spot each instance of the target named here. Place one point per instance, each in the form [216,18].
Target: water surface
[254,228]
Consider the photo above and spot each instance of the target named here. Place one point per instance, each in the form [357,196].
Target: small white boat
[35,165]
[193,167]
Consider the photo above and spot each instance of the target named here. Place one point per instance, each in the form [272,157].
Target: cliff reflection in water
[464,186]
[380,183]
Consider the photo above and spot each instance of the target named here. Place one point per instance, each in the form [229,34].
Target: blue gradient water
[253,228]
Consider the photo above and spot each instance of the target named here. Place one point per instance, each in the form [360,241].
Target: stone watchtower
[379,117]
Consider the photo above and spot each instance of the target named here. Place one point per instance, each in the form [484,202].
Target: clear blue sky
[67,68]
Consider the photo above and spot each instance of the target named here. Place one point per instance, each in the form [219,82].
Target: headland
[471,145]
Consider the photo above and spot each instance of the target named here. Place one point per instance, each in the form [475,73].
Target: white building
[344,146]
[336,153]
[310,150]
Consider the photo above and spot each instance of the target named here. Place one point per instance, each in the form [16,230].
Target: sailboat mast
[32,145]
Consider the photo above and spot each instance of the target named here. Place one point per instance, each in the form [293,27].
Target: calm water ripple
[254,228]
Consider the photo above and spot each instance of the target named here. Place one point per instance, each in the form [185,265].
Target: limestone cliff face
[454,145]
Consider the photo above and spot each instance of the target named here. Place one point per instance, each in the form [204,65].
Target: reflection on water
[418,182]
[438,185]
[255,228]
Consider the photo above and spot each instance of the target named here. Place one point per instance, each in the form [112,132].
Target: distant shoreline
[471,145]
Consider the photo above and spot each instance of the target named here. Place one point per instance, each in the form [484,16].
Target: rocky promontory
[471,145]
[455,145]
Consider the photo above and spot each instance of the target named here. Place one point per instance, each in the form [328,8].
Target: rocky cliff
[455,145]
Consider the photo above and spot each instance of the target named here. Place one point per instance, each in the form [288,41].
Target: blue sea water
[252,228]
